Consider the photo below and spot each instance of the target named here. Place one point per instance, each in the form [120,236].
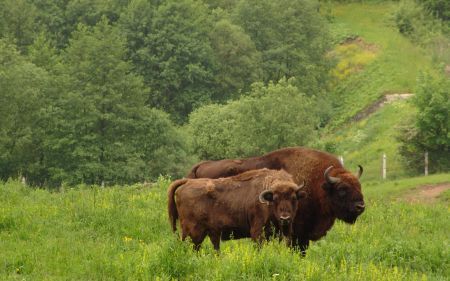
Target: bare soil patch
[426,193]
[385,99]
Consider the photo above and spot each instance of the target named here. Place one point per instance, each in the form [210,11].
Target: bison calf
[242,204]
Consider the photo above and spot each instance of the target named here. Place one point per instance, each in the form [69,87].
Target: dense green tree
[238,60]
[223,4]
[101,129]
[43,54]
[17,21]
[430,129]
[270,117]
[60,18]
[23,87]
[136,24]
[292,37]
[82,84]
[177,60]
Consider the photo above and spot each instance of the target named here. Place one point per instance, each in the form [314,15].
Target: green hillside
[391,65]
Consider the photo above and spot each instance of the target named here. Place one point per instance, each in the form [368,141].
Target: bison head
[344,191]
[284,197]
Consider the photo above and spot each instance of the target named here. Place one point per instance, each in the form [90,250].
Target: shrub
[269,117]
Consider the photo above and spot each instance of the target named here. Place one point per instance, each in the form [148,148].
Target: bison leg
[197,239]
[184,232]
[300,244]
[303,248]
[215,239]
[256,234]
[196,233]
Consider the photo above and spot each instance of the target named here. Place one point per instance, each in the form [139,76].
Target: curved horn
[302,185]
[360,171]
[328,178]
[262,195]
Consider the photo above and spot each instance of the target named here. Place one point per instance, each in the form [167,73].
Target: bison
[333,191]
[245,204]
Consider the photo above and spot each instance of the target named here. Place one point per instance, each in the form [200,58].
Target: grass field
[394,68]
[122,233]
[390,63]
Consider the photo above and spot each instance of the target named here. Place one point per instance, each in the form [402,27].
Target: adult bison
[244,204]
[333,192]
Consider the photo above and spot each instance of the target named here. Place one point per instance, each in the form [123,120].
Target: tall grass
[122,233]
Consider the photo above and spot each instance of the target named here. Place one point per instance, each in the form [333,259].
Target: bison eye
[342,193]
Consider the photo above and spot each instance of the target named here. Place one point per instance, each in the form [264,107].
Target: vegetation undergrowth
[122,233]
[392,67]
[395,68]
[365,141]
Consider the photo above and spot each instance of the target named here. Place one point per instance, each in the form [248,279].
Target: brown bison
[244,204]
[333,192]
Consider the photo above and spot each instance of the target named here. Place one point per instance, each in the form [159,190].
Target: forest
[119,92]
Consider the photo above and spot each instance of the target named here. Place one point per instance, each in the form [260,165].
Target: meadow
[382,62]
[123,233]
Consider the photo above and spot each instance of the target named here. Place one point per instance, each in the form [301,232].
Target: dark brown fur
[325,201]
[232,205]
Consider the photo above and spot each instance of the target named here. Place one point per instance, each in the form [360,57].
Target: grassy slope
[394,69]
[124,234]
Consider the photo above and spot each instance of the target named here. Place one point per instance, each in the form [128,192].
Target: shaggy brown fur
[244,204]
[325,202]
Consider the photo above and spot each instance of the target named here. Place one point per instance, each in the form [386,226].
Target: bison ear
[266,197]
[301,194]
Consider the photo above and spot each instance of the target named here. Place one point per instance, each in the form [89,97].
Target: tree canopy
[430,129]
[123,91]
[268,118]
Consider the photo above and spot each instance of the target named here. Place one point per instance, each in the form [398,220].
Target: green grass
[394,69]
[122,233]
[364,142]
[392,190]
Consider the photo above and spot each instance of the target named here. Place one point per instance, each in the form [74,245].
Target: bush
[430,130]
[269,117]
[439,8]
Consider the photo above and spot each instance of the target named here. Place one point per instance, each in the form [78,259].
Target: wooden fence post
[426,163]
[384,166]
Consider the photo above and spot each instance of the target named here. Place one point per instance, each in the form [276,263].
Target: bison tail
[173,213]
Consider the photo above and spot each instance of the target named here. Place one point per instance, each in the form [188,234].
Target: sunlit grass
[366,141]
[392,68]
[395,67]
[122,233]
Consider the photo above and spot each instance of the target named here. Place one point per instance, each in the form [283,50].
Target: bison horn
[302,185]
[360,171]
[329,178]
[266,196]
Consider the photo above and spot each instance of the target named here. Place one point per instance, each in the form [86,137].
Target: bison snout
[360,207]
[285,219]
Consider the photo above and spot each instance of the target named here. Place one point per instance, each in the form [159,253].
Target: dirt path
[426,193]
[385,99]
